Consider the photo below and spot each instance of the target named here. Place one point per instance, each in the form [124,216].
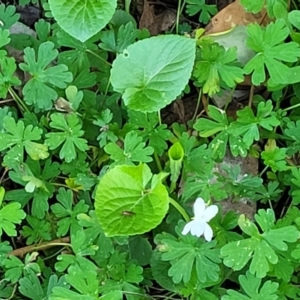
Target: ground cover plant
[141,160]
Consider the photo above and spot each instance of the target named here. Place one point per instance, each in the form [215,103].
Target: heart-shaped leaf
[127,203]
[152,72]
[82,19]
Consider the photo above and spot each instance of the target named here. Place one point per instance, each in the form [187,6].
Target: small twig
[251,96]
[46,245]
[6,101]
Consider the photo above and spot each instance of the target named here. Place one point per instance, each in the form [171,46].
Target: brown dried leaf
[232,15]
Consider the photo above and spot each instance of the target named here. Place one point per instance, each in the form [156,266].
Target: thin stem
[137,294]
[159,117]
[180,209]
[197,105]
[179,12]
[60,185]
[292,107]
[251,96]
[98,56]
[158,163]
[107,87]
[178,16]
[23,107]
[6,101]
[263,171]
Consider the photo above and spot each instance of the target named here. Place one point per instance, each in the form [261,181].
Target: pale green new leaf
[153,72]
[130,200]
[82,19]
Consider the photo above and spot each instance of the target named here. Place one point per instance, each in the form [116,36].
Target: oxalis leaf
[151,73]
[127,203]
[82,19]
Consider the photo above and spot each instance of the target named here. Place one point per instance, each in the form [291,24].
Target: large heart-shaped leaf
[127,203]
[82,19]
[151,73]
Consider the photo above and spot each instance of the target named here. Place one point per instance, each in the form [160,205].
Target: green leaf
[67,213]
[275,158]
[38,230]
[272,50]
[151,73]
[11,214]
[216,66]
[8,16]
[294,18]
[157,135]
[118,42]
[247,124]
[251,286]
[7,75]
[135,150]
[17,137]
[14,268]
[140,249]
[69,136]
[206,11]
[127,203]
[253,6]
[188,254]
[39,89]
[260,247]
[31,287]
[80,19]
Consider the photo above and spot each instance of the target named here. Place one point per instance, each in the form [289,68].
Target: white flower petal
[199,208]
[187,228]
[208,233]
[198,228]
[210,212]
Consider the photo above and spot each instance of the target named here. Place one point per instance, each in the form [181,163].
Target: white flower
[198,225]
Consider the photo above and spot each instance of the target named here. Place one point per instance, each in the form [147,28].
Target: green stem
[159,117]
[179,9]
[157,160]
[137,294]
[180,209]
[60,185]
[98,56]
[127,6]
[291,107]
[23,107]
[197,105]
